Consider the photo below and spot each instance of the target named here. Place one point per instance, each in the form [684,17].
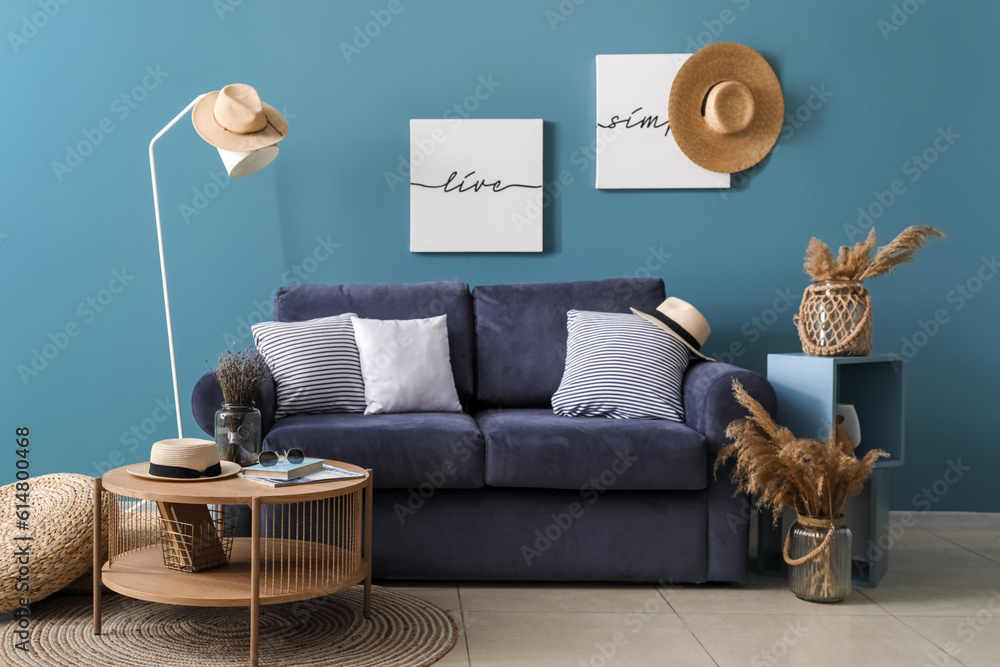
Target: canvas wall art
[476,185]
[635,147]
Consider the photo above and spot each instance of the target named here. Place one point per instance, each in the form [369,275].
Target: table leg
[368,544]
[97,555]
[254,581]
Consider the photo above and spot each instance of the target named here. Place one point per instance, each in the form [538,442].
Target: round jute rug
[403,631]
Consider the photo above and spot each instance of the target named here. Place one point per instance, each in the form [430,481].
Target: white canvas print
[635,147]
[476,185]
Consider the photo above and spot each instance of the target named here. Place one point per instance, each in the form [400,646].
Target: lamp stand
[163,265]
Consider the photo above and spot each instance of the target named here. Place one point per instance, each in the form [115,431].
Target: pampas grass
[902,250]
[857,263]
[813,477]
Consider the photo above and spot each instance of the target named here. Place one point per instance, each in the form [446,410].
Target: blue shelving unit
[808,390]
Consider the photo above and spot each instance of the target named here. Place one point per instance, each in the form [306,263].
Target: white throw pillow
[406,365]
[621,366]
[315,365]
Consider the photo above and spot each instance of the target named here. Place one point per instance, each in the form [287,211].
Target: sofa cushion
[621,366]
[405,365]
[521,333]
[405,450]
[314,363]
[403,301]
[535,448]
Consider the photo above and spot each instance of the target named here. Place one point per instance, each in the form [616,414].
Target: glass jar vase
[237,433]
[818,553]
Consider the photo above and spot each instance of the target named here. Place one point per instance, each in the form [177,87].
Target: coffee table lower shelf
[294,571]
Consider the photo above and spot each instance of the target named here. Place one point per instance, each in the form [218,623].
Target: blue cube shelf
[808,390]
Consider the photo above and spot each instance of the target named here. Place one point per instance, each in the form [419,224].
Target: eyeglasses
[293,456]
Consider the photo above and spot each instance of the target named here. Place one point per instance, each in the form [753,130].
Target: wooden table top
[234,490]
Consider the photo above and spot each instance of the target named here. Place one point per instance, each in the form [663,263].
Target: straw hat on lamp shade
[244,129]
[726,109]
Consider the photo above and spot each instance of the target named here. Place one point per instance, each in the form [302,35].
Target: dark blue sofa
[506,489]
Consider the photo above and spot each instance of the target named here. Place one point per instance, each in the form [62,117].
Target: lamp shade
[239,165]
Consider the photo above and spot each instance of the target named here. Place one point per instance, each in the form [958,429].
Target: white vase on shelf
[851,424]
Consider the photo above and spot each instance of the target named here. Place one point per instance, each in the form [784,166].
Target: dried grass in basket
[835,318]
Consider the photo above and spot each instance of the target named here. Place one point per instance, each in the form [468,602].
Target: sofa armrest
[709,405]
[206,399]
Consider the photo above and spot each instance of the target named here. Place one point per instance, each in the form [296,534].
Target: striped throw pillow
[620,366]
[315,365]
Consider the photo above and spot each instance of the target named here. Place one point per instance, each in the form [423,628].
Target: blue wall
[98,79]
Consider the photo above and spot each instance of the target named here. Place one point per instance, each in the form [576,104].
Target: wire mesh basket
[196,537]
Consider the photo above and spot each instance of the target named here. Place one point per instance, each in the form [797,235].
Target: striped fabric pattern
[315,364]
[621,366]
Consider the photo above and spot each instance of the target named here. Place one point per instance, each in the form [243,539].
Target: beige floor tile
[935,591]
[947,557]
[816,641]
[759,593]
[941,583]
[984,543]
[971,539]
[914,538]
[459,655]
[947,521]
[505,639]
[443,595]
[990,553]
[563,598]
[975,641]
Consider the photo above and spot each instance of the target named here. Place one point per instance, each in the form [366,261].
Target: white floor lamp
[246,132]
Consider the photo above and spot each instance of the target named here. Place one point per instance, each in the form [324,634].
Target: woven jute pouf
[60,522]
[81,529]
[85,582]
[403,631]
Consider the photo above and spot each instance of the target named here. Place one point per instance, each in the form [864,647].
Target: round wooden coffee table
[306,541]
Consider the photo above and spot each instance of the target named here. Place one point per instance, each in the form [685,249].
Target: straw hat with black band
[726,109]
[682,321]
[184,459]
[235,119]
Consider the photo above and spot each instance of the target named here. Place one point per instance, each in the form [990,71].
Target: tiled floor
[938,605]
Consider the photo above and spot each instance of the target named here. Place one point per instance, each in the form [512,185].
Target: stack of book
[284,473]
